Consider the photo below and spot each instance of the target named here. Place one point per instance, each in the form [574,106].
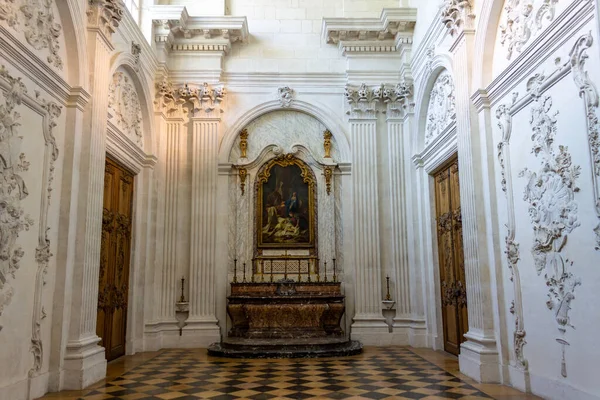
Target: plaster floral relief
[124,105]
[523,20]
[13,219]
[589,93]
[441,111]
[37,21]
[550,194]
[456,14]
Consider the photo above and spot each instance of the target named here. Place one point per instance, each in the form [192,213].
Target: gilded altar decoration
[328,175]
[286,197]
[244,143]
[243,172]
[327,143]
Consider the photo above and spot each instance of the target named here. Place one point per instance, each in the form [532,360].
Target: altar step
[285,348]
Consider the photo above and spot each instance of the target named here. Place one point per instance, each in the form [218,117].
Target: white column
[84,361]
[479,355]
[205,146]
[369,323]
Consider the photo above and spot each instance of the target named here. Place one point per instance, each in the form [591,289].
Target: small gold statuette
[327,143]
[243,172]
[244,143]
[328,172]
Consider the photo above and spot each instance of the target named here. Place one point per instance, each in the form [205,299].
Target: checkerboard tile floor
[392,373]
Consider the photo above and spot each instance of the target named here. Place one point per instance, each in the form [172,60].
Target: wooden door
[115,252]
[451,259]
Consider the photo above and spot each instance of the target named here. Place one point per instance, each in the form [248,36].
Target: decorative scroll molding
[504,117]
[550,192]
[13,218]
[456,15]
[105,15]
[523,20]
[204,100]
[285,95]
[441,111]
[125,106]
[39,25]
[589,93]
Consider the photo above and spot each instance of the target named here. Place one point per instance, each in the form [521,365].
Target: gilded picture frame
[285,204]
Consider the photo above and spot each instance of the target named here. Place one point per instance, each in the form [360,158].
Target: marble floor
[378,373]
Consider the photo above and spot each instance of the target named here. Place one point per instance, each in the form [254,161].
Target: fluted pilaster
[205,135]
[479,356]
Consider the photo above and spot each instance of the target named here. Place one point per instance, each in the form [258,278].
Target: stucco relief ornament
[41,29]
[456,14]
[124,103]
[362,102]
[13,190]
[523,20]
[589,93]
[398,99]
[8,13]
[441,112]
[286,96]
[105,14]
[550,193]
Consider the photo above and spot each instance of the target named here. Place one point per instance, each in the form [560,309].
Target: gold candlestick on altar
[299,272]
[388,297]
[235,270]
[271,271]
[252,271]
[325,267]
[244,280]
[285,268]
[182,298]
[262,270]
[334,275]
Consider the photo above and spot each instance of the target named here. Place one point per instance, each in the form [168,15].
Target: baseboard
[558,390]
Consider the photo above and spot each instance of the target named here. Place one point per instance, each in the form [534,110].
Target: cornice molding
[175,29]
[385,34]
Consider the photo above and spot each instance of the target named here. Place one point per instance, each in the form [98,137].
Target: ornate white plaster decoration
[39,26]
[13,219]
[13,189]
[398,99]
[429,55]
[136,51]
[524,19]
[125,106]
[456,15]
[285,95]
[441,111]
[550,193]
[105,15]
[504,117]
[589,93]
[363,101]
[204,100]
[393,21]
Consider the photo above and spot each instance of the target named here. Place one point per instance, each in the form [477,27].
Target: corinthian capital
[105,15]
[457,15]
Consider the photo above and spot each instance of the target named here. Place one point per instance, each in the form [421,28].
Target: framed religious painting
[285,204]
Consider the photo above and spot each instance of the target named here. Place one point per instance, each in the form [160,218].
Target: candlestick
[235,270]
[262,270]
[299,272]
[271,271]
[285,268]
[182,299]
[388,297]
[334,275]
[244,280]
[325,267]
[252,271]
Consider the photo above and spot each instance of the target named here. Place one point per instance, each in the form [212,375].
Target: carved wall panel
[28,152]
[441,112]
[124,106]
[39,23]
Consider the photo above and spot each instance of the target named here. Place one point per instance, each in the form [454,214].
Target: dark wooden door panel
[115,254]
[450,256]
